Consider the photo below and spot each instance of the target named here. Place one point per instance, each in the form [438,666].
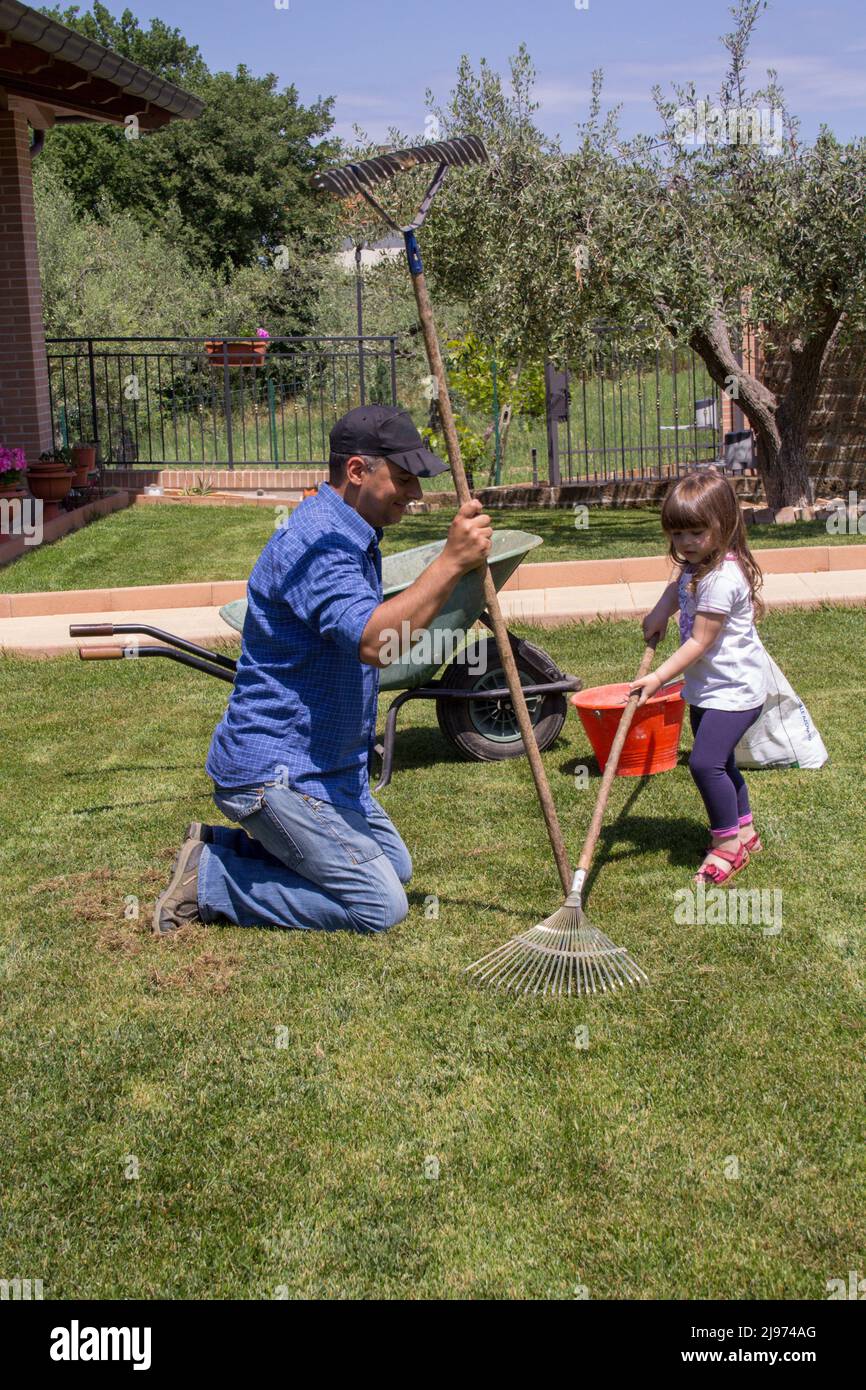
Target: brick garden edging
[632,492]
[287,479]
[552,574]
[793,559]
[48,604]
[636,492]
[217,499]
[63,524]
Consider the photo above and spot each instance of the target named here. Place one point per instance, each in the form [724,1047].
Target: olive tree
[665,237]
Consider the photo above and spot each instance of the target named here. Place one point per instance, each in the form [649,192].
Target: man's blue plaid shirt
[303,707]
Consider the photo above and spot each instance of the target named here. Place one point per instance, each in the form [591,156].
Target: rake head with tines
[564,954]
[360,177]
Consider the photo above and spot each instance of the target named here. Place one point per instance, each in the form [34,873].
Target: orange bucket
[653,741]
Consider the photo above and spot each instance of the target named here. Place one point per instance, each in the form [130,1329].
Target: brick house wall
[837,427]
[25,415]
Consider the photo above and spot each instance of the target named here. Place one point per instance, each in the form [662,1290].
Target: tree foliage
[661,236]
[232,185]
[104,277]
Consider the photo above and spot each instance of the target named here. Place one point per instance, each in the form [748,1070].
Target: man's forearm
[417,606]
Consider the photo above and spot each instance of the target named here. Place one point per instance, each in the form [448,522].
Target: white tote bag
[784,736]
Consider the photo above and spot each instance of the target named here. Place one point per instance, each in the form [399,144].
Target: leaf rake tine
[562,976]
[606,969]
[589,973]
[495,961]
[513,972]
[613,964]
[551,958]
[528,963]
[485,968]
[562,966]
[525,967]
[543,979]
[581,975]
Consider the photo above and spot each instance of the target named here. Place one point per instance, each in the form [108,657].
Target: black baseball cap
[383,431]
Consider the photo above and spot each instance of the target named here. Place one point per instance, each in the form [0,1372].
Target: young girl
[721,655]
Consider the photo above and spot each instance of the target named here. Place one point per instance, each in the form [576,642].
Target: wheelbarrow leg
[389,736]
[391,727]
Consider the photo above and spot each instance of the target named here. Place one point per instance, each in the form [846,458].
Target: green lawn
[303,1168]
[177,544]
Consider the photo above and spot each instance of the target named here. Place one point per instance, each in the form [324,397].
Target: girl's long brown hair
[706,501]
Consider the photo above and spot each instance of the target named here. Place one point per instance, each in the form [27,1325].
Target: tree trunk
[781,424]
[787,479]
[505,415]
[784,471]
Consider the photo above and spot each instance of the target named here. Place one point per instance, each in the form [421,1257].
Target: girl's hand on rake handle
[647,685]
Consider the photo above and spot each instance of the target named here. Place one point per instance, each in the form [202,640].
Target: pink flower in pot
[13,467]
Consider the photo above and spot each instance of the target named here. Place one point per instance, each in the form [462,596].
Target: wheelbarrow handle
[91,629]
[133,651]
[166,639]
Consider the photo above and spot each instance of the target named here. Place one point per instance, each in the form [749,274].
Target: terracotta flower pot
[12,483]
[50,482]
[84,461]
[238,354]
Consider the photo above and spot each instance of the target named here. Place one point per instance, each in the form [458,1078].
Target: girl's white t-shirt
[733,673]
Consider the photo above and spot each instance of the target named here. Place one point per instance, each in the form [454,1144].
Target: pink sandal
[711,873]
[754,845]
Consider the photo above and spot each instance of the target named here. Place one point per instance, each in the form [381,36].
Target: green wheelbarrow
[473,705]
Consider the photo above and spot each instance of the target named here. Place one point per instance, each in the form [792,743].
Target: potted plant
[240,352]
[83,461]
[51,478]
[13,470]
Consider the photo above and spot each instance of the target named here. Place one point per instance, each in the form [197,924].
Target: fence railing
[627,414]
[196,401]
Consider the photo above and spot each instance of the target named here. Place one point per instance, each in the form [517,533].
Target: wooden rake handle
[491,598]
[612,764]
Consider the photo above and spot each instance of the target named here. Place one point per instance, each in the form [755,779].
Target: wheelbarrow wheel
[487,731]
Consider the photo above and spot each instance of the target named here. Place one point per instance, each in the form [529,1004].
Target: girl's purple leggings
[719,781]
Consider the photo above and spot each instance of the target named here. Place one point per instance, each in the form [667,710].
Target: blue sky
[378,58]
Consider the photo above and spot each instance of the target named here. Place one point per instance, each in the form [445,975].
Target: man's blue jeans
[302,863]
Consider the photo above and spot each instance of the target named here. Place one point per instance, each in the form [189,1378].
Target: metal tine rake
[566,954]
[359,178]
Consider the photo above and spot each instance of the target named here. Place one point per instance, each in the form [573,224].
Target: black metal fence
[622,413]
[630,414]
[192,401]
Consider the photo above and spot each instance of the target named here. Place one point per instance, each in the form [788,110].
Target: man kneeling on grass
[290,758]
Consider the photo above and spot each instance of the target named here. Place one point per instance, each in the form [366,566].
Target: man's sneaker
[178,905]
[195,831]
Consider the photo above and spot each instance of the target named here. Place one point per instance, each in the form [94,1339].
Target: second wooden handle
[612,763]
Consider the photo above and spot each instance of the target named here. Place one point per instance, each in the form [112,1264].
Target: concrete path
[580,603]
[48,635]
